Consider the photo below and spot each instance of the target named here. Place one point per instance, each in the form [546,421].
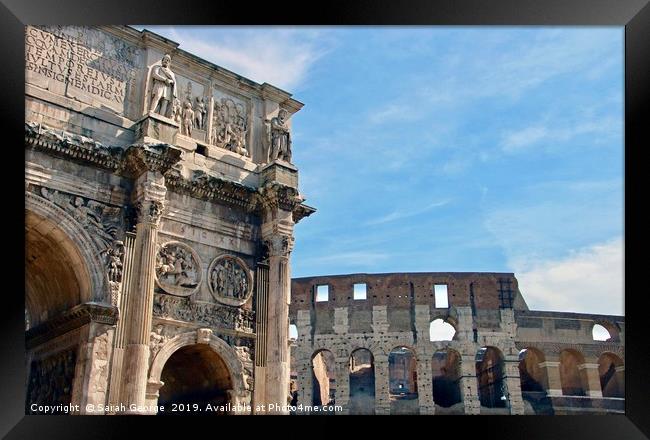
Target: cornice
[67,321]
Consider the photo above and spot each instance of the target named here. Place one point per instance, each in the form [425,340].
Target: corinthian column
[147,165]
[150,195]
[277,337]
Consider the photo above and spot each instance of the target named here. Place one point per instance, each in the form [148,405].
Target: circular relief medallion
[178,269]
[230,280]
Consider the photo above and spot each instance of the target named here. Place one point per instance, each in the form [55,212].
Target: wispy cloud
[525,138]
[401,214]
[589,280]
[280,56]
[393,112]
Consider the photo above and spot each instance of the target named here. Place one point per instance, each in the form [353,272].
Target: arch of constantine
[160,202]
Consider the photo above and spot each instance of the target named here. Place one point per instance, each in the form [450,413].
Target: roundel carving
[229,280]
[178,269]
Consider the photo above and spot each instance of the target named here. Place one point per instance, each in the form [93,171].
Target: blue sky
[434,149]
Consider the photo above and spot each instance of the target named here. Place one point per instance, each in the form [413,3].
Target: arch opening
[600,333]
[56,278]
[572,378]
[362,382]
[612,375]
[195,374]
[402,368]
[440,330]
[534,381]
[323,378]
[446,375]
[490,371]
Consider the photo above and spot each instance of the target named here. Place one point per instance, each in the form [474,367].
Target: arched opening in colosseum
[402,373]
[612,375]
[403,381]
[195,374]
[533,377]
[534,381]
[446,374]
[573,378]
[439,330]
[490,371]
[56,280]
[362,382]
[323,378]
[600,333]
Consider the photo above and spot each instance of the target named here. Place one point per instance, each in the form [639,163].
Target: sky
[464,149]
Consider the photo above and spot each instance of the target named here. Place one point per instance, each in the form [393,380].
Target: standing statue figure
[280,138]
[163,89]
[188,119]
[177,111]
[204,114]
[199,111]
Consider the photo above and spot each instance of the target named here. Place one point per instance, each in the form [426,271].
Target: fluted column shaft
[149,201]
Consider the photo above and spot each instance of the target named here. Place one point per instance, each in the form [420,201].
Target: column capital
[149,198]
[278,244]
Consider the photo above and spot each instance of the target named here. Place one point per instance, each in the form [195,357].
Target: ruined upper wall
[100,82]
[402,290]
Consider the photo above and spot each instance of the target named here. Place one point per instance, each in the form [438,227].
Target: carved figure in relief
[229,126]
[176,269]
[280,139]
[188,119]
[199,113]
[229,280]
[177,112]
[163,88]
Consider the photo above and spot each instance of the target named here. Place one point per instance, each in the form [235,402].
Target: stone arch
[445,377]
[611,327]
[65,239]
[490,374]
[534,378]
[441,329]
[402,372]
[362,381]
[323,371]
[218,345]
[612,375]
[572,376]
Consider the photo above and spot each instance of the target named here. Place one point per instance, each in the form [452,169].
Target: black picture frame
[633,14]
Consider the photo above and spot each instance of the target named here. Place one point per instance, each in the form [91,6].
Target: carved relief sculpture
[279,138]
[200,112]
[113,257]
[188,119]
[101,221]
[216,316]
[230,126]
[178,269]
[229,280]
[177,111]
[50,381]
[163,88]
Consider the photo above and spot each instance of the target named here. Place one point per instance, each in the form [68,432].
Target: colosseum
[160,206]
[448,343]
